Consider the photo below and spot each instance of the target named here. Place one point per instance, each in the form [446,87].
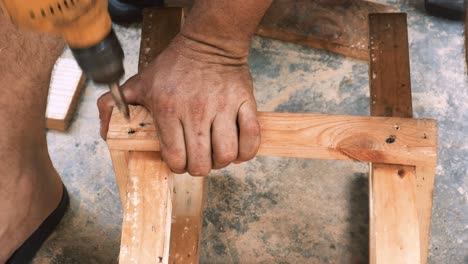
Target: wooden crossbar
[400,196]
[336,137]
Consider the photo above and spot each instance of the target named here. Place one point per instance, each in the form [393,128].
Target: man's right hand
[202,103]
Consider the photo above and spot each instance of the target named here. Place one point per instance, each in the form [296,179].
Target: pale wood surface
[358,138]
[339,26]
[187,216]
[389,76]
[147,210]
[65,87]
[425,177]
[396,225]
[120,164]
[160,25]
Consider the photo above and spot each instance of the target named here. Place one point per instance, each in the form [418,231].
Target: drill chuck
[103,62]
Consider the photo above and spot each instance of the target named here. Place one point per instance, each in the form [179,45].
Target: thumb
[132,94]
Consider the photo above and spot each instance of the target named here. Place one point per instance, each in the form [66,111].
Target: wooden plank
[389,68]
[147,214]
[187,216]
[357,138]
[425,177]
[160,26]
[339,26]
[67,82]
[120,164]
[395,216]
[390,86]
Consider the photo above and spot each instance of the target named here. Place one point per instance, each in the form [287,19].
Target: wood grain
[389,76]
[339,26]
[395,215]
[389,68]
[159,27]
[67,82]
[187,216]
[147,210]
[357,138]
[120,165]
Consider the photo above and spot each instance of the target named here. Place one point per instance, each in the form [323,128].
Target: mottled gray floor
[285,210]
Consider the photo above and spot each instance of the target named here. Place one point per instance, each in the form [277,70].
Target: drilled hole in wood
[391,139]
[397,127]
[131,131]
[401,173]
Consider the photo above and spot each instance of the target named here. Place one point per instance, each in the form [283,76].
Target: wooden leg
[394,216]
[146,224]
[389,79]
[187,216]
[120,164]
[425,176]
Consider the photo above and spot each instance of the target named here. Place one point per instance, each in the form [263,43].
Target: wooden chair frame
[163,212]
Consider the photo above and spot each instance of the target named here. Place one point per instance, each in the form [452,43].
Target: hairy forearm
[226,25]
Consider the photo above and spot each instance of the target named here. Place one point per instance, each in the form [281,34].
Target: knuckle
[174,158]
[176,162]
[167,108]
[246,155]
[199,170]
[102,100]
[198,107]
[252,130]
[225,157]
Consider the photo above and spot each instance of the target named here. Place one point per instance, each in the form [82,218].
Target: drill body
[87,29]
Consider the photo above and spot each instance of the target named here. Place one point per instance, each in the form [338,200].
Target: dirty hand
[202,103]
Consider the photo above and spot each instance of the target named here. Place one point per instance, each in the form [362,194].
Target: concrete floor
[285,210]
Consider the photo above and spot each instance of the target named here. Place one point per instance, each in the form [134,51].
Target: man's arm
[227,25]
[200,91]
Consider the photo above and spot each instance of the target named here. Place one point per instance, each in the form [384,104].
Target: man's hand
[202,103]
[199,89]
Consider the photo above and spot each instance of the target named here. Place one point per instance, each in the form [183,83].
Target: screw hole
[43,13]
[131,131]
[32,15]
[397,127]
[51,10]
[391,139]
[401,173]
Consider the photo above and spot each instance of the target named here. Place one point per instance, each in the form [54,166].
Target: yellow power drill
[86,27]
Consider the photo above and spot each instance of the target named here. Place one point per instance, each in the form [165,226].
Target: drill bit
[119,99]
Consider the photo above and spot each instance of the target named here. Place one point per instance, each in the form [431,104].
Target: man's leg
[30,188]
